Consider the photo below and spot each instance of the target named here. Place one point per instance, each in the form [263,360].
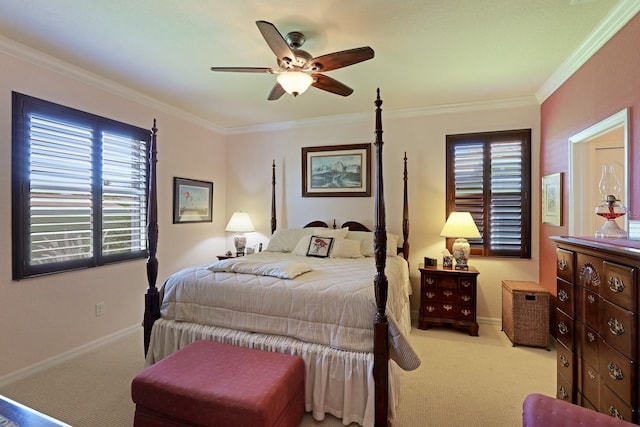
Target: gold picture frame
[336,171]
[552,199]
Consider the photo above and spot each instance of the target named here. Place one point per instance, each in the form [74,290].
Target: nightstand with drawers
[448,297]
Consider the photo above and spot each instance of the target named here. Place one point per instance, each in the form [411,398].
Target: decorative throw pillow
[285,240]
[345,248]
[320,246]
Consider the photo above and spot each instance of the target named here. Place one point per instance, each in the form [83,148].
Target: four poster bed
[310,294]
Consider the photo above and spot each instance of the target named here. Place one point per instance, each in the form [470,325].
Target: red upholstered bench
[213,384]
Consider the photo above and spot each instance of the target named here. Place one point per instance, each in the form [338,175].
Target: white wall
[422,135]
[44,317]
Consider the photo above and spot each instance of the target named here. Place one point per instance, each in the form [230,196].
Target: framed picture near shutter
[552,199]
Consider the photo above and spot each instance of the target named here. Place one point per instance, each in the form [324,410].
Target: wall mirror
[606,142]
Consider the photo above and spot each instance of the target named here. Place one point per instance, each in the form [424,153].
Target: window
[78,189]
[489,175]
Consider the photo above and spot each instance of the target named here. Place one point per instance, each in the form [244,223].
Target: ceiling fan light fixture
[294,82]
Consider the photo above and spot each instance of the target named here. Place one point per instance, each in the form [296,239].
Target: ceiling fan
[297,69]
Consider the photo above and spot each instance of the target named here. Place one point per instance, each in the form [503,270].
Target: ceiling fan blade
[244,69]
[333,61]
[276,42]
[276,92]
[330,85]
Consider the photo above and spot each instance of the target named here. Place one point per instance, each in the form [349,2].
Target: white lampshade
[294,82]
[240,223]
[460,224]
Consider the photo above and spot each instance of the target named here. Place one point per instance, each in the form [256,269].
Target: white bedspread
[333,304]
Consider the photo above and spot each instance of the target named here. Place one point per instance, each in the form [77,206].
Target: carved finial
[378,102]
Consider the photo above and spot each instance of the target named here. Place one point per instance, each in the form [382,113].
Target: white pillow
[337,233]
[366,242]
[285,240]
[302,246]
[345,248]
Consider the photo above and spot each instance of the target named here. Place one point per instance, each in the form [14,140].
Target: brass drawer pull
[591,299]
[564,361]
[616,284]
[591,337]
[562,328]
[430,308]
[430,280]
[447,307]
[563,295]
[592,375]
[465,298]
[562,393]
[562,264]
[447,293]
[466,312]
[615,326]
[465,283]
[615,413]
[615,372]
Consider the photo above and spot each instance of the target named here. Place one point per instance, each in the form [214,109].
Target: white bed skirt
[336,382]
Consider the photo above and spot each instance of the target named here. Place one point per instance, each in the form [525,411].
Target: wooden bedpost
[405,214]
[273,196]
[380,282]
[152,297]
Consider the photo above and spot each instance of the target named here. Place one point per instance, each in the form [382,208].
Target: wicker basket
[525,313]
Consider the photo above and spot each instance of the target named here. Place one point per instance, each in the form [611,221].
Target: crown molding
[48,62]
[619,16]
[525,101]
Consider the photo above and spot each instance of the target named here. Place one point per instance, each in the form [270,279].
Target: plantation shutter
[506,198]
[60,194]
[488,175]
[79,189]
[124,203]
[469,186]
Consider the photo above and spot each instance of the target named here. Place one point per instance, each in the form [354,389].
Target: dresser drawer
[564,329]
[618,285]
[614,406]
[565,298]
[564,389]
[466,284]
[589,272]
[565,362]
[447,295]
[564,264]
[429,280]
[618,328]
[590,384]
[590,306]
[617,372]
[587,343]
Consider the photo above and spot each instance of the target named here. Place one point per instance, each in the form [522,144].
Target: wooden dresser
[448,296]
[597,324]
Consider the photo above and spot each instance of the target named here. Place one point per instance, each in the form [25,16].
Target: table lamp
[460,226]
[240,223]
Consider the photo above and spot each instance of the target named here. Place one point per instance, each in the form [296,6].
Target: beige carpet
[463,381]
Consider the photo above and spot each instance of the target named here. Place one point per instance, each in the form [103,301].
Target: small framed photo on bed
[192,200]
[336,171]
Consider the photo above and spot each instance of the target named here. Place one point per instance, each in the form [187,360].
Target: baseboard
[63,357]
[481,320]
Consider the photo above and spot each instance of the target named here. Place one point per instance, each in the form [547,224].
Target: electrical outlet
[99,309]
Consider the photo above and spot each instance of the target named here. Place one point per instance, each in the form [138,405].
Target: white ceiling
[427,52]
